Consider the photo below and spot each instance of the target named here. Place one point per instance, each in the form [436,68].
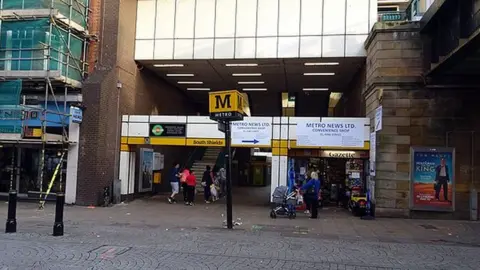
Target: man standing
[207,181]
[442,178]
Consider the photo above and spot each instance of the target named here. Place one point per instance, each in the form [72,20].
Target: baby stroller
[284,203]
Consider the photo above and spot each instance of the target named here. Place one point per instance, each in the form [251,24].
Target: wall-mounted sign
[373,153]
[167,130]
[378,118]
[432,173]
[77,114]
[206,142]
[340,133]
[343,154]
[252,132]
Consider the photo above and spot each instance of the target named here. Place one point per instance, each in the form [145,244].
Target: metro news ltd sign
[226,105]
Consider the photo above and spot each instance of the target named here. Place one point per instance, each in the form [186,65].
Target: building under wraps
[43,44]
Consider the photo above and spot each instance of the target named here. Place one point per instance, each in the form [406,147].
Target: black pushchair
[285,203]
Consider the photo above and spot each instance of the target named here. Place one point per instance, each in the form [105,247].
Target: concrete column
[72,163]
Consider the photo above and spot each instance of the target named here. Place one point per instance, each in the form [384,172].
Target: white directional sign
[249,132]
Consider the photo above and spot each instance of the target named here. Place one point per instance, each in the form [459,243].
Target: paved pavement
[150,234]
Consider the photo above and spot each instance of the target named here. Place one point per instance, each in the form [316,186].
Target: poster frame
[415,149]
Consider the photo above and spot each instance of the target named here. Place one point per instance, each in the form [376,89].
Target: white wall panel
[358,16]
[203,48]
[200,120]
[139,118]
[209,131]
[143,49]
[334,17]
[138,130]
[168,119]
[282,176]
[274,174]
[263,28]
[224,48]
[205,19]
[163,49]
[124,130]
[311,46]
[185,19]
[165,19]
[123,171]
[355,45]
[225,18]
[183,49]
[312,17]
[145,19]
[333,46]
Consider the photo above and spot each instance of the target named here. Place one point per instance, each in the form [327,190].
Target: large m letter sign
[223,102]
[227,105]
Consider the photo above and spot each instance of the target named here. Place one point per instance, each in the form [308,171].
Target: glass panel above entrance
[299,28]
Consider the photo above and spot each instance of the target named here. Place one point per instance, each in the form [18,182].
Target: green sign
[157,130]
[391,17]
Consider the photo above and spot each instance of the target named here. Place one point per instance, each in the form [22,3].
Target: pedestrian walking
[174,182]
[207,182]
[183,181]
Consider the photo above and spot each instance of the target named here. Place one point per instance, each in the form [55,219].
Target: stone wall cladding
[414,115]
[142,93]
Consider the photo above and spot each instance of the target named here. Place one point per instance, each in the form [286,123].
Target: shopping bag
[213,191]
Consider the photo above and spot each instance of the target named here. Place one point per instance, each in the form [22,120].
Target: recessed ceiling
[258,77]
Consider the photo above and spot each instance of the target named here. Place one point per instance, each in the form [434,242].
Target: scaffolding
[43,45]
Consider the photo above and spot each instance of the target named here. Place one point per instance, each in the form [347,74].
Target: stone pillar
[394,81]
[415,114]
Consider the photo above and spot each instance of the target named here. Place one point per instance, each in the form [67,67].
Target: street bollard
[11,226]
[58,226]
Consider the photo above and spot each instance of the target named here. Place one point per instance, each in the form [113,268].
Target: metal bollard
[58,226]
[11,226]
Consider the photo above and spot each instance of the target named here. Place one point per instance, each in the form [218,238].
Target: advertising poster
[433,179]
[331,134]
[145,177]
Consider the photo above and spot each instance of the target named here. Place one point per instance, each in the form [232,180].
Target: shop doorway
[340,172]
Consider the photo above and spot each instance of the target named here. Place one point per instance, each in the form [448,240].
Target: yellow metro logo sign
[228,105]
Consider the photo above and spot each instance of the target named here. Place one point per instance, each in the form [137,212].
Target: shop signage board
[252,132]
[378,118]
[77,114]
[344,154]
[432,173]
[340,133]
[167,130]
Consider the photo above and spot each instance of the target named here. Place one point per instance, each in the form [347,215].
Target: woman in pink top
[183,181]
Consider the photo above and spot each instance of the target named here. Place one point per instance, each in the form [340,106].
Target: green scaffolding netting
[78,12]
[24,46]
[10,111]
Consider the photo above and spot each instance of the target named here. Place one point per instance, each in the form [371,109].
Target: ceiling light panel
[251,82]
[180,75]
[315,89]
[242,65]
[168,65]
[323,64]
[254,89]
[319,74]
[198,89]
[246,74]
[187,82]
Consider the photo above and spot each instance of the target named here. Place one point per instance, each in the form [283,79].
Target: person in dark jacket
[174,182]
[311,190]
[207,181]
